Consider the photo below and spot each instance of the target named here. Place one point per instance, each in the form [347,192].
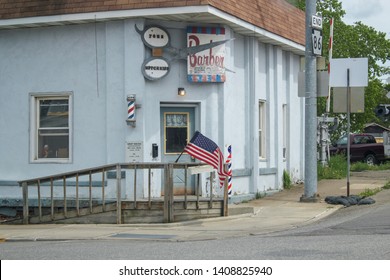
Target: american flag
[204,149]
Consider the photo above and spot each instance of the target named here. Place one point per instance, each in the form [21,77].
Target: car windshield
[342,141]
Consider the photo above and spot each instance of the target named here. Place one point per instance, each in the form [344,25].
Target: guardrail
[63,181]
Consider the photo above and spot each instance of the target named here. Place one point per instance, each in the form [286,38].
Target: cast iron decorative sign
[154,36]
[205,53]
[155,68]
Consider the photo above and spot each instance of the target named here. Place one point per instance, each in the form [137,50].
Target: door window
[176,132]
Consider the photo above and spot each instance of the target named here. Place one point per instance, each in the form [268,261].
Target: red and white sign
[207,65]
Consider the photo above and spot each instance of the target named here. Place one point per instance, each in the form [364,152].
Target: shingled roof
[275,16]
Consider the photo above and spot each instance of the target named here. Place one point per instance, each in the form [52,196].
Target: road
[354,233]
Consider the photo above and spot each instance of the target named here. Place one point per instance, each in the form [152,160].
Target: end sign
[316,22]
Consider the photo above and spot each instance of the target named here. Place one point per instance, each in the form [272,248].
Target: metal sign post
[310,190]
[341,77]
[348,131]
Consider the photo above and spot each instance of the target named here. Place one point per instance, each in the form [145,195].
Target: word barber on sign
[207,65]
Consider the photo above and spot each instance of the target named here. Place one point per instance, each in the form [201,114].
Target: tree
[357,40]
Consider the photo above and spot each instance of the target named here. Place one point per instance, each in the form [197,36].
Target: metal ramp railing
[86,191]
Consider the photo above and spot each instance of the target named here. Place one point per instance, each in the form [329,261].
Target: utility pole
[310,190]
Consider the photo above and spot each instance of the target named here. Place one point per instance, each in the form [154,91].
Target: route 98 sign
[316,38]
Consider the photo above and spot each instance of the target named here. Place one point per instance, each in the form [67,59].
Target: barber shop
[97,86]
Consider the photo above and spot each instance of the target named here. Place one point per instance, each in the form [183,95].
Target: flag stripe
[200,154]
[204,149]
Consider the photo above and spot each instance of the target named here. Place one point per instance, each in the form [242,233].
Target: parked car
[363,148]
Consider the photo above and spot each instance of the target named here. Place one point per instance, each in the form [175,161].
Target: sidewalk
[279,211]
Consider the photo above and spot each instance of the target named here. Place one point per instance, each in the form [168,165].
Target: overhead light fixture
[181,91]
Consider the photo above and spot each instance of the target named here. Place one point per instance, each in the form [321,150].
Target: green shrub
[384,166]
[259,195]
[287,184]
[360,166]
[336,169]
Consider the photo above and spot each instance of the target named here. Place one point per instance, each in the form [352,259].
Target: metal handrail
[167,168]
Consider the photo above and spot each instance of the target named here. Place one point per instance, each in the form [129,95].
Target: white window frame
[262,131]
[34,126]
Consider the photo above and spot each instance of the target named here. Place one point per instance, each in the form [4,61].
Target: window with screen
[176,130]
[51,122]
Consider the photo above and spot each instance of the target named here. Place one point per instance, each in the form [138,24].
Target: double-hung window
[51,127]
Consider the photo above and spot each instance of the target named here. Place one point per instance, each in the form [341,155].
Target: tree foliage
[354,41]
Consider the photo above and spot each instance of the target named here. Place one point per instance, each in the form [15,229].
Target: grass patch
[386,186]
[287,183]
[361,166]
[259,195]
[336,169]
[369,192]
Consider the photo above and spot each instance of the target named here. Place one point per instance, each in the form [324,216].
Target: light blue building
[68,79]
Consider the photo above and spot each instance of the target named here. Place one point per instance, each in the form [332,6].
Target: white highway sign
[317,42]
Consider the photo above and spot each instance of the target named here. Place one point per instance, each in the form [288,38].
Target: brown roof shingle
[275,16]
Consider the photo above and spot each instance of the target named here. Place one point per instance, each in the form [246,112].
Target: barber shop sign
[208,65]
[205,53]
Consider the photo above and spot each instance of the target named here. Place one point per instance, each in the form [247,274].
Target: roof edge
[79,18]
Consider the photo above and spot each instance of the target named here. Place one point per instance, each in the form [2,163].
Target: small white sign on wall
[134,151]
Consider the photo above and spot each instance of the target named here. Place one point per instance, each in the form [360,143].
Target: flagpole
[330,48]
[179,156]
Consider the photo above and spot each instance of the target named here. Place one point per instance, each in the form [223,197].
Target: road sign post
[348,131]
[349,72]
[310,190]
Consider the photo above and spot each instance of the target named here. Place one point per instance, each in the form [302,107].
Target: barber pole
[330,48]
[131,109]
[230,172]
